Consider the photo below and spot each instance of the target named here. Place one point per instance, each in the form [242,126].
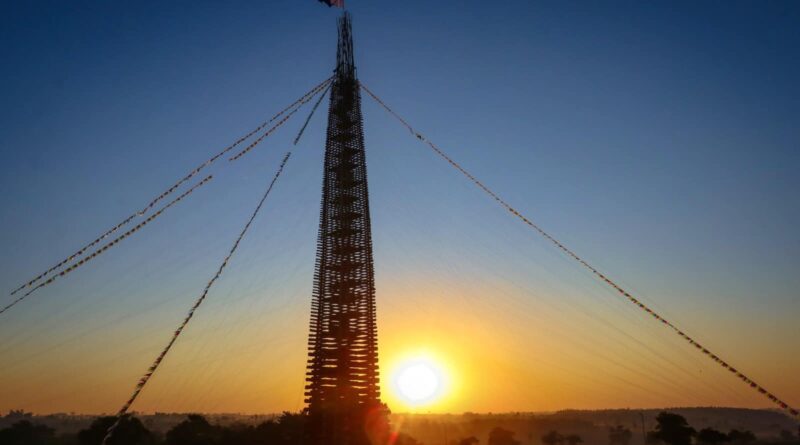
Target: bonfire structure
[342,391]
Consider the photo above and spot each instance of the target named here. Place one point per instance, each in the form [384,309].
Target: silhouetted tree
[742,437]
[239,434]
[265,433]
[405,439]
[195,430]
[552,438]
[710,436]
[18,414]
[26,433]
[130,432]
[619,435]
[471,440]
[500,436]
[671,429]
[573,439]
[293,428]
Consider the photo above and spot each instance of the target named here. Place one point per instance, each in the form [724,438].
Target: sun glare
[418,381]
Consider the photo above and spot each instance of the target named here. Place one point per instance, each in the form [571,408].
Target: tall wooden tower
[342,376]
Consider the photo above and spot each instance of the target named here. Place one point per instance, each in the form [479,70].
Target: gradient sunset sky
[659,140]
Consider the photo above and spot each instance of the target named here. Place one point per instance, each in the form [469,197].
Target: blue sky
[658,139]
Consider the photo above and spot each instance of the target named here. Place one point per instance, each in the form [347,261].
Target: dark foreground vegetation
[668,429]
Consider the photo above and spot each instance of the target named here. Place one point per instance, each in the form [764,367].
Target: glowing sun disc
[418,382]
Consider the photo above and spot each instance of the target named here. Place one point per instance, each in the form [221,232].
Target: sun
[418,381]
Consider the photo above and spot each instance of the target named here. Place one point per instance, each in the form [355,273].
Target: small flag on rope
[339,3]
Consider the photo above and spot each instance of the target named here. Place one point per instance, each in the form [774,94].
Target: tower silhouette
[342,391]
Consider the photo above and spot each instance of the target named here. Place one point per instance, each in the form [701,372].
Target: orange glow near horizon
[491,351]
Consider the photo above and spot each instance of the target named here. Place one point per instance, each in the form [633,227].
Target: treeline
[287,429]
[292,429]
[670,429]
[673,429]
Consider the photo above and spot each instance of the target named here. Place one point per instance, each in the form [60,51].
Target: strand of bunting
[295,105]
[152,369]
[107,246]
[772,397]
[276,126]
[78,253]
[311,114]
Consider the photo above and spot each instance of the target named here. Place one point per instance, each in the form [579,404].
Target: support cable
[794,412]
[311,114]
[107,246]
[146,377]
[296,104]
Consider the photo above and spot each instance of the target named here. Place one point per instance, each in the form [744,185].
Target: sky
[658,140]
